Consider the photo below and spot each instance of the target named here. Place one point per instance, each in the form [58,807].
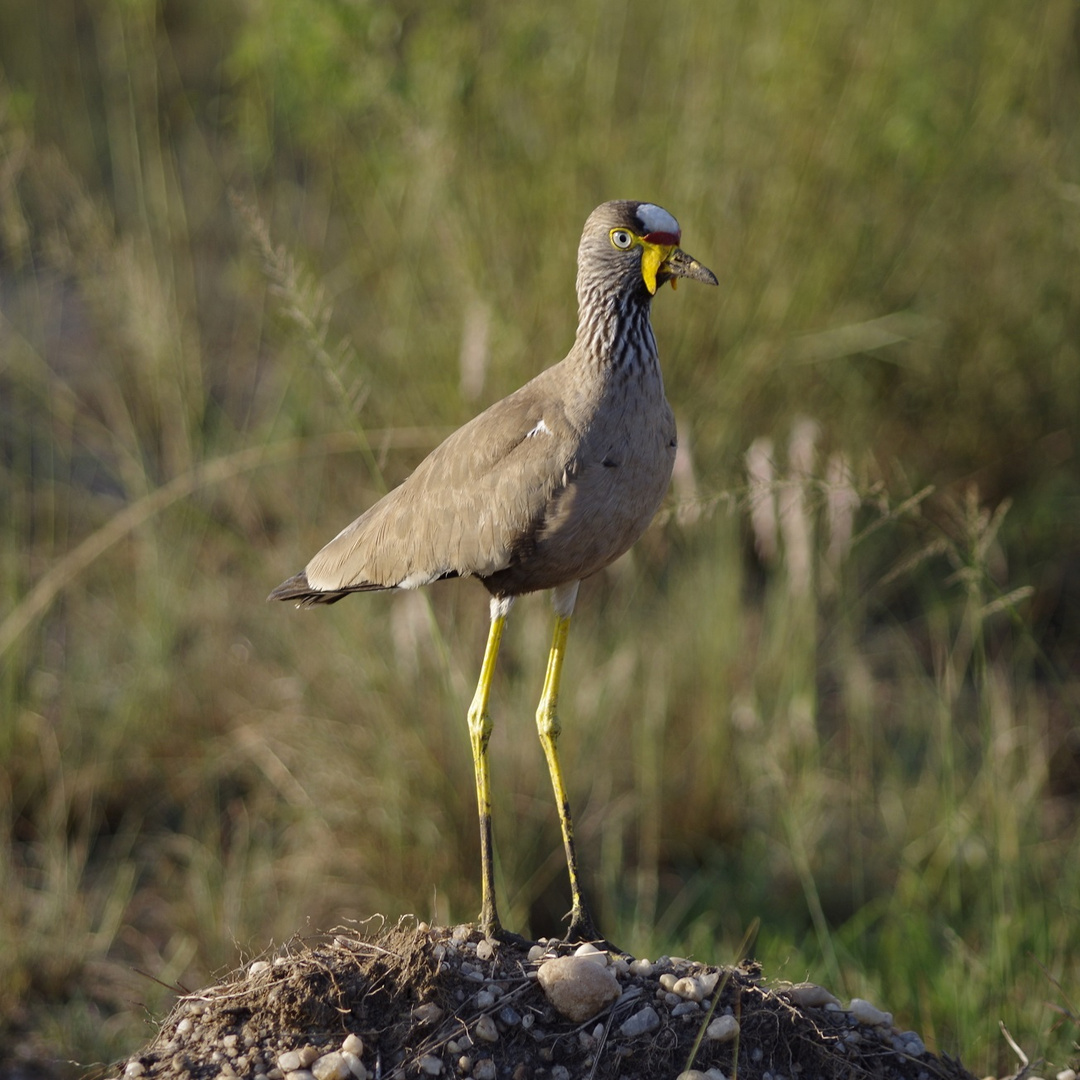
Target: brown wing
[468,507]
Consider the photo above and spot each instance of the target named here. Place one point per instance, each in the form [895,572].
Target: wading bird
[541,490]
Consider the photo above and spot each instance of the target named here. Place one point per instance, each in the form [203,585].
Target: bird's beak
[677,264]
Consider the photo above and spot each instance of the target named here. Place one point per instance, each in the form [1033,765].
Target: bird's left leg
[582,927]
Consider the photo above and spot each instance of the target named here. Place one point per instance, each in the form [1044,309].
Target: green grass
[240,250]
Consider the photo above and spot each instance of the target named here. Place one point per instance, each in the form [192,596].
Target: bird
[541,490]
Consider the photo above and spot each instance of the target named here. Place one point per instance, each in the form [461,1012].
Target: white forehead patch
[657,219]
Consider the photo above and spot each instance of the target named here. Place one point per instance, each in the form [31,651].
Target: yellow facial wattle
[652,257]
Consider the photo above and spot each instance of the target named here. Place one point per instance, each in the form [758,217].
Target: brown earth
[416,997]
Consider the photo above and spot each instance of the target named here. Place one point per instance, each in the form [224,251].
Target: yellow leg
[547,723]
[479,734]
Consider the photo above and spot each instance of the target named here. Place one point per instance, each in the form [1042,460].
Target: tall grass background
[256,259]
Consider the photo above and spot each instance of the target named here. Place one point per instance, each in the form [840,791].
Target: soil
[410,1000]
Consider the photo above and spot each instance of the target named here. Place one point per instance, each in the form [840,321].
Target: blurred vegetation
[257,258]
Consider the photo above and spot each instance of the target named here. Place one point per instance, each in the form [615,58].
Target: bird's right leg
[479,735]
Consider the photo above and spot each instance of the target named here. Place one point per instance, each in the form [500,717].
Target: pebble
[331,1066]
[911,1043]
[184,1026]
[723,1029]
[428,1013]
[593,953]
[810,996]
[1066,1074]
[686,1008]
[641,1023]
[356,1066]
[484,1069]
[134,1068]
[641,967]
[353,1044]
[485,949]
[688,988]
[258,968]
[484,999]
[485,1030]
[577,986]
[867,1014]
[430,1065]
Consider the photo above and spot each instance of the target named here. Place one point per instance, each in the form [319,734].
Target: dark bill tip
[680,265]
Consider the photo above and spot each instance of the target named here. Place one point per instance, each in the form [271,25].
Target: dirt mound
[418,1001]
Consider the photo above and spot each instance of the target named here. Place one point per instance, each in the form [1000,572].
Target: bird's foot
[490,927]
[583,930]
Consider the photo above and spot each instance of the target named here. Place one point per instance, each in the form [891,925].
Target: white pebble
[184,1026]
[485,949]
[430,1065]
[867,1014]
[134,1068]
[641,967]
[356,1066]
[1066,1074]
[485,1030]
[688,988]
[722,1029]
[708,981]
[641,1023]
[428,1013]
[331,1066]
[578,987]
[353,1044]
[289,1061]
[258,968]
[593,953]
[668,981]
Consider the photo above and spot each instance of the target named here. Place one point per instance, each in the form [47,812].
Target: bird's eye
[621,238]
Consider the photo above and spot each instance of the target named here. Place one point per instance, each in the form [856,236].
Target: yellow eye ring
[623,239]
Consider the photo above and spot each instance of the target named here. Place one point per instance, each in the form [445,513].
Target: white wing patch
[540,429]
[415,580]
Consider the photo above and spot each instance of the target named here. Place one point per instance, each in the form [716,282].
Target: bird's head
[634,244]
